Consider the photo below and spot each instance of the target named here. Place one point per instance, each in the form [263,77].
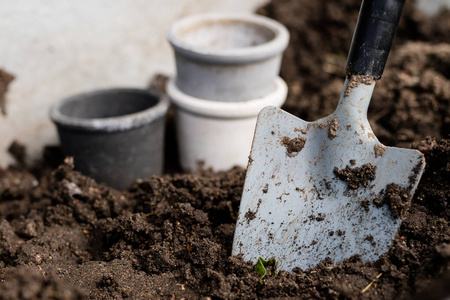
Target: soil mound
[64,236]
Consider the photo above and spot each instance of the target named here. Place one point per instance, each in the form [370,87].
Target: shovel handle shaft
[372,39]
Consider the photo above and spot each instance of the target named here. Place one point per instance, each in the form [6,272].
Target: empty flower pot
[215,134]
[115,136]
[227,57]
[227,71]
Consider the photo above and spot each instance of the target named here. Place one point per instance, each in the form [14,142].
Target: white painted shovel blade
[296,210]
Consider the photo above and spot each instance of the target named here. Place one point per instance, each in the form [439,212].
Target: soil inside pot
[64,236]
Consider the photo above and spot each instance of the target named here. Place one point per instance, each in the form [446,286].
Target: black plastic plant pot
[115,136]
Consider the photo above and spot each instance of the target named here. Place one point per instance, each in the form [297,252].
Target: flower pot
[115,136]
[216,134]
[227,57]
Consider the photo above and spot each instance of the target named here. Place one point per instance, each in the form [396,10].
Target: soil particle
[379,150]
[427,145]
[18,151]
[250,215]
[293,146]
[355,80]
[377,202]
[357,176]
[9,241]
[340,232]
[365,204]
[333,128]
[320,217]
[370,239]
[5,80]
[395,198]
[304,130]
[15,183]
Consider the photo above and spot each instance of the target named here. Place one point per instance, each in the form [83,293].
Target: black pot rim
[110,124]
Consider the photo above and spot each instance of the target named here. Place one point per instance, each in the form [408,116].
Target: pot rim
[110,124]
[227,110]
[241,55]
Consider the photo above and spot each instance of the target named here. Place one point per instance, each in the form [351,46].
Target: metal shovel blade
[323,189]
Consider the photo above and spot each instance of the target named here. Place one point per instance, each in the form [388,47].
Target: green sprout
[261,265]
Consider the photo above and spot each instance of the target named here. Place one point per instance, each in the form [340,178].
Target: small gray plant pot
[115,136]
[227,57]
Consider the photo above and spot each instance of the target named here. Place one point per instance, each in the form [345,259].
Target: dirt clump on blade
[355,80]
[357,176]
[396,199]
[293,146]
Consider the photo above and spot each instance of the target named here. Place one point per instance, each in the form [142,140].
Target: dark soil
[5,80]
[63,236]
[293,146]
[396,198]
[18,151]
[355,80]
[357,176]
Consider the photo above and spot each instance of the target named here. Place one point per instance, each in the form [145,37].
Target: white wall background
[56,48]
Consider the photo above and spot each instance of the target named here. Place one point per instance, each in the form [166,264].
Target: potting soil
[64,236]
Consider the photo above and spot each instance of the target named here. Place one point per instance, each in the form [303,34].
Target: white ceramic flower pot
[227,57]
[215,134]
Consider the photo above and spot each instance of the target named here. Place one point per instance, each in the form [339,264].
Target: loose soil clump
[64,236]
[357,176]
[333,128]
[293,146]
[355,80]
[396,199]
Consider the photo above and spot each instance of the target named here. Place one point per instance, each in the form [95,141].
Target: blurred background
[56,48]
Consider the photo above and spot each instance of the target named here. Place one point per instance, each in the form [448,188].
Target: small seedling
[261,265]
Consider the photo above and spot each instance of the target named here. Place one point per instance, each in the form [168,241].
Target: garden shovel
[329,188]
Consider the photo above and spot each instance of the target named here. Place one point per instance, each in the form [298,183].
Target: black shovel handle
[372,39]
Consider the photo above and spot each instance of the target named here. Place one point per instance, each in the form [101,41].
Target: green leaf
[261,265]
[260,269]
